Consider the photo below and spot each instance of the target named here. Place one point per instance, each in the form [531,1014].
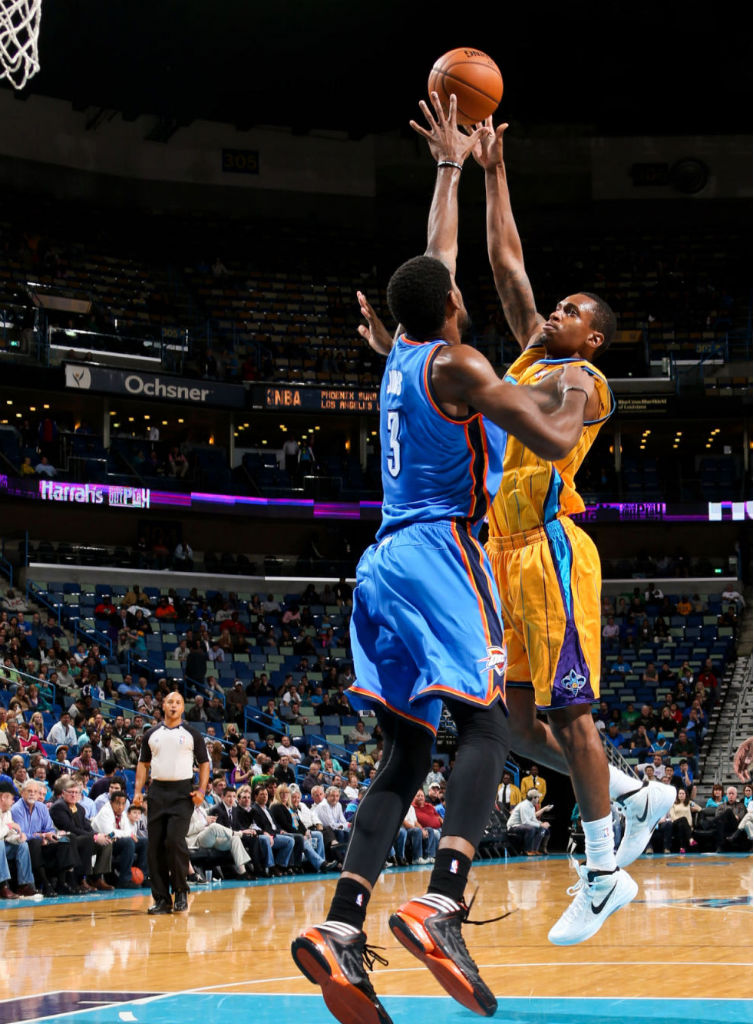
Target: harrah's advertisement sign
[139,384]
[95,494]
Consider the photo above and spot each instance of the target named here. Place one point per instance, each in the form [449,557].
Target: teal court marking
[217,1008]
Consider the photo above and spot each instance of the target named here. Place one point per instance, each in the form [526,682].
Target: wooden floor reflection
[689,931]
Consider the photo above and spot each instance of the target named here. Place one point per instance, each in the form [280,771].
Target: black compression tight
[482,749]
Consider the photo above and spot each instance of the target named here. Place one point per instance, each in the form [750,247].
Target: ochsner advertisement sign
[139,384]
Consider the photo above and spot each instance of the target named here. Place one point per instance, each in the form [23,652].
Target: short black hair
[603,319]
[417,293]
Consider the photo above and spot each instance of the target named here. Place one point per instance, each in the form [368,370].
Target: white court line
[405,970]
[305,995]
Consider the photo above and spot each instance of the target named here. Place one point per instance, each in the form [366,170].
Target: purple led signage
[141,498]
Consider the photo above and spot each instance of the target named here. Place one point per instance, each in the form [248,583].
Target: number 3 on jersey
[394,455]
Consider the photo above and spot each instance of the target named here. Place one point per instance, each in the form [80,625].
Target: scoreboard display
[292,398]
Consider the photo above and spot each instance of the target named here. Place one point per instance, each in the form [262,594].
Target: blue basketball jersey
[433,466]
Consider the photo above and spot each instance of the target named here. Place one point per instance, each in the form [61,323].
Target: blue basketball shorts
[426,624]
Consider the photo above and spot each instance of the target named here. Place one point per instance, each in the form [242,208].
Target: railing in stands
[36,594]
[16,675]
[6,568]
[94,636]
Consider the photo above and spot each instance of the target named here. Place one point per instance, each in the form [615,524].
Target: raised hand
[374,331]
[488,147]
[446,141]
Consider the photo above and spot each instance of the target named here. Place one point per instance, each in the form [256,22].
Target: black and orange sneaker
[430,928]
[335,957]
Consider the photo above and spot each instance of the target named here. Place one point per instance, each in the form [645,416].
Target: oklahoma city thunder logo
[496,661]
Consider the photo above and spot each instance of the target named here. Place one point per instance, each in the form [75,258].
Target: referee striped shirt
[172,752]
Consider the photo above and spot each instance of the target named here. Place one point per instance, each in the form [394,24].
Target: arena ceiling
[360,66]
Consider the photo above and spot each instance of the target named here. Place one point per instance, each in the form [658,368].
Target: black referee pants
[168,815]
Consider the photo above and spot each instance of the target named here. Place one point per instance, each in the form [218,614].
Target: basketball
[475,79]
[137,875]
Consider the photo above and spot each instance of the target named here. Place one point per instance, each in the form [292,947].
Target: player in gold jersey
[549,577]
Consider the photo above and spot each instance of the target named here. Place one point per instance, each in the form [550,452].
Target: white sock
[621,783]
[598,836]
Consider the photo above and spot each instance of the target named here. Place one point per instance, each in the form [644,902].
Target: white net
[19,38]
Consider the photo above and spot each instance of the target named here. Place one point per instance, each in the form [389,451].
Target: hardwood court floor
[687,934]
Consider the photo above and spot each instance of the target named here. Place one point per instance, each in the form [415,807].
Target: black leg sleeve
[483,745]
[404,765]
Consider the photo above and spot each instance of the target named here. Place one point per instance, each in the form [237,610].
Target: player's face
[569,327]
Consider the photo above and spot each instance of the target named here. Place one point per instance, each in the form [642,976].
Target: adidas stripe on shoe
[335,956]
[430,928]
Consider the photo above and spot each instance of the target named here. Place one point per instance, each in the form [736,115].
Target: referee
[171,749]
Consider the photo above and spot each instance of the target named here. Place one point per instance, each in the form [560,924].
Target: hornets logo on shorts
[573,683]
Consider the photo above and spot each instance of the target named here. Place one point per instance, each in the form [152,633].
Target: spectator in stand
[165,610]
[683,746]
[508,794]
[195,665]
[177,463]
[183,557]
[330,813]
[524,821]
[650,676]
[198,712]
[13,847]
[205,834]
[684,606]
[727,818]
[645,633]
[709,679]
[215,710]
[45,468]
[86,760]
[660,629]
[127,849]
[282,845]
[718,797]
[678,824]
[84,842]
[63,732]
[534,781]
[288,749]
[434,775]
[615,737]
[428,818]
[653,594]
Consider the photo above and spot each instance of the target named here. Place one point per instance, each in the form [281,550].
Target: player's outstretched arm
[449,148]
[503,242]
[461,375]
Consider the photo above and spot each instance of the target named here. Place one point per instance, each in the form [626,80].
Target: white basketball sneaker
[596,896]
[643,809]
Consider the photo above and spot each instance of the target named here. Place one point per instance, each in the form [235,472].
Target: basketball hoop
[19,36]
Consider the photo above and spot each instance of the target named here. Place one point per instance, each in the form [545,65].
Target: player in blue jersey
[426,625]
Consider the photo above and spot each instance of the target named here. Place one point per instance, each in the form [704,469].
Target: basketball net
[19,36]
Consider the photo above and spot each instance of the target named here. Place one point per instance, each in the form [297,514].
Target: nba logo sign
[454,867]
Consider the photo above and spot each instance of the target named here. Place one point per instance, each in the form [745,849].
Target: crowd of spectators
[73,711]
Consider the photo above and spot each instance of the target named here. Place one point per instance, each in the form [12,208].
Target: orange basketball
[475,79]
[137,875]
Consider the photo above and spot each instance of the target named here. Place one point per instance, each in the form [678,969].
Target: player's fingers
[439,112]
[452,110]
[427,112]
[422,131]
